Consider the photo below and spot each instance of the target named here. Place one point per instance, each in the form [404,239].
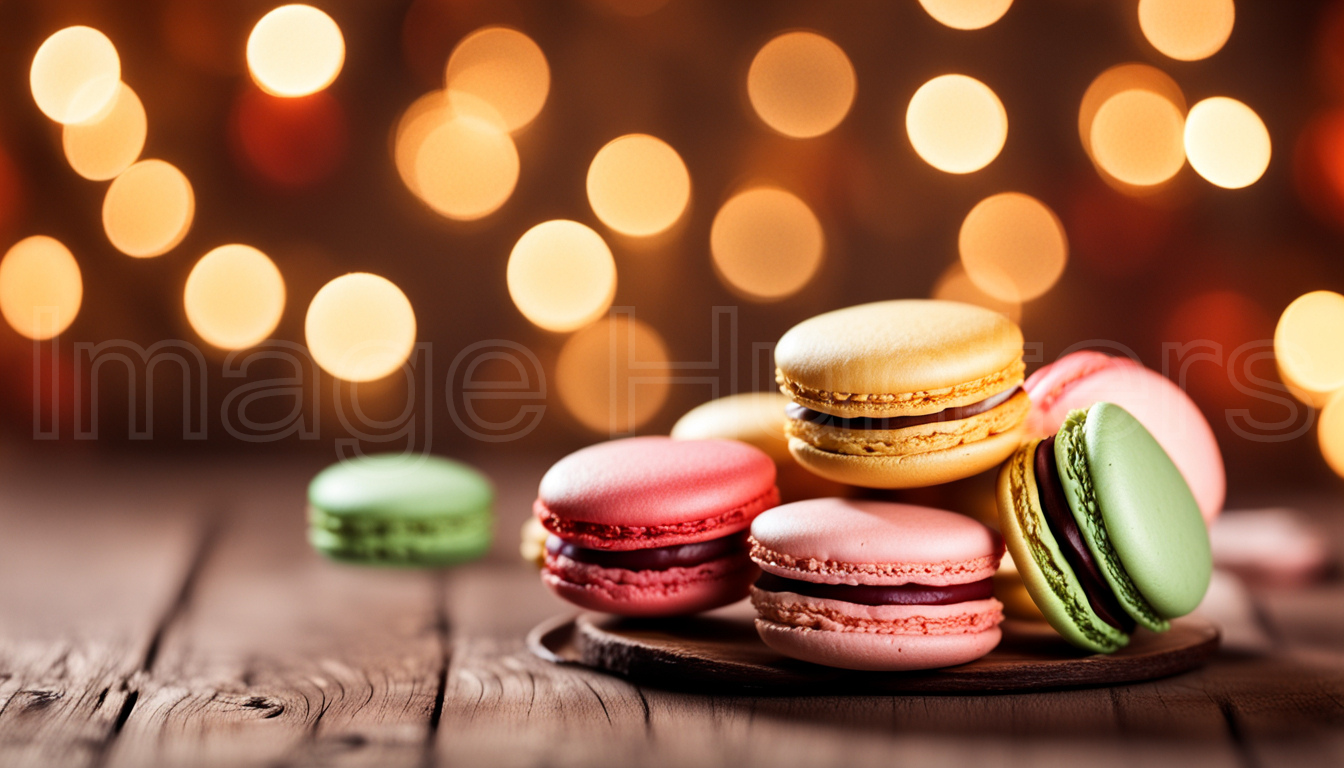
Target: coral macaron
[903,394]
[651,526]
[874,585]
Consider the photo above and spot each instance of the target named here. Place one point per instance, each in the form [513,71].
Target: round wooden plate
[719,652]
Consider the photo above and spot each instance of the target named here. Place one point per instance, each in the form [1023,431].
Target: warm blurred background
[804,156]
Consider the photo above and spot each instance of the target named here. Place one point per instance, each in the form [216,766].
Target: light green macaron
[1131,516]
[1136,512]
[401,510]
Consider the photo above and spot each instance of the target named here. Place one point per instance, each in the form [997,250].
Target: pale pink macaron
[1080,379]
[651,526]
[875,586]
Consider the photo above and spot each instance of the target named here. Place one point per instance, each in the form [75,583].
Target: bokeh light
[801,84]
[1117,80]
[503,67]
[104,147]
[613,375]
[40,287]
[966,14]
[1187,30]
[76,74]
[1013,246]
[955,285]
[638,185]
[1309,346]
[1138,138]
[956,123]
[766,243]
[148,209]
[295,50]
[1330,432]
[1227,143]
[289,143]
[561,275]
[234,297]
[465,167]
[360,327]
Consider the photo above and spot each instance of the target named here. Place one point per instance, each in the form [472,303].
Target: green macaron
[1104,529]
[400,509]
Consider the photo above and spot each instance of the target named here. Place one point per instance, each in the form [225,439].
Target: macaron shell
[757,419]
[670,592]
[1045,573]
[1083,378]
[395,545]
[1010,591]
[896,358]
[1051,381]
[647,492]
[876,652]
[843,541]
[795,610]
[1149,514]
[913,470]
[401,485]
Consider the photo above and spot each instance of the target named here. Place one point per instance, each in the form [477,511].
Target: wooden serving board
[719,652]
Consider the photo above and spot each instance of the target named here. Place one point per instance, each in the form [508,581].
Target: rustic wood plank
[89,573]
[282,658]
[503,705]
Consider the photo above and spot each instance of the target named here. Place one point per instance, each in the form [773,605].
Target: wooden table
[166,613]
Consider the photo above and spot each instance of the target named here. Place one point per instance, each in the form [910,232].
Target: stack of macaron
[1103,528]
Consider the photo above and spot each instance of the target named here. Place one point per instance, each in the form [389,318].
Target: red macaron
[650,526]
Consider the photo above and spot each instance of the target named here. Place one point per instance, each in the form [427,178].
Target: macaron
[874,585]
[1009,589]
[1080,379]
[1103,529]
[903,394]
[757,419]
[532,542]
[651,526]
[400,509]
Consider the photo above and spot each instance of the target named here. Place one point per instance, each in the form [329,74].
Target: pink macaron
[651,526]
[1080,379]
[876,586]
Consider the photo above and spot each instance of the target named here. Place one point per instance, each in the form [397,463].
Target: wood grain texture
[89,576]
[283,658]
[132,636]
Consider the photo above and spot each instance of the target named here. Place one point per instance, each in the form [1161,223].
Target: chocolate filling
[802,413]
[659,559]
[864,594]
[1059,519]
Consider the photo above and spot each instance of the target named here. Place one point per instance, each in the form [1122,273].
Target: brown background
[1195,263]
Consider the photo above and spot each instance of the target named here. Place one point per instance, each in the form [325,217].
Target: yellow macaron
[902,394]
[757,419]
